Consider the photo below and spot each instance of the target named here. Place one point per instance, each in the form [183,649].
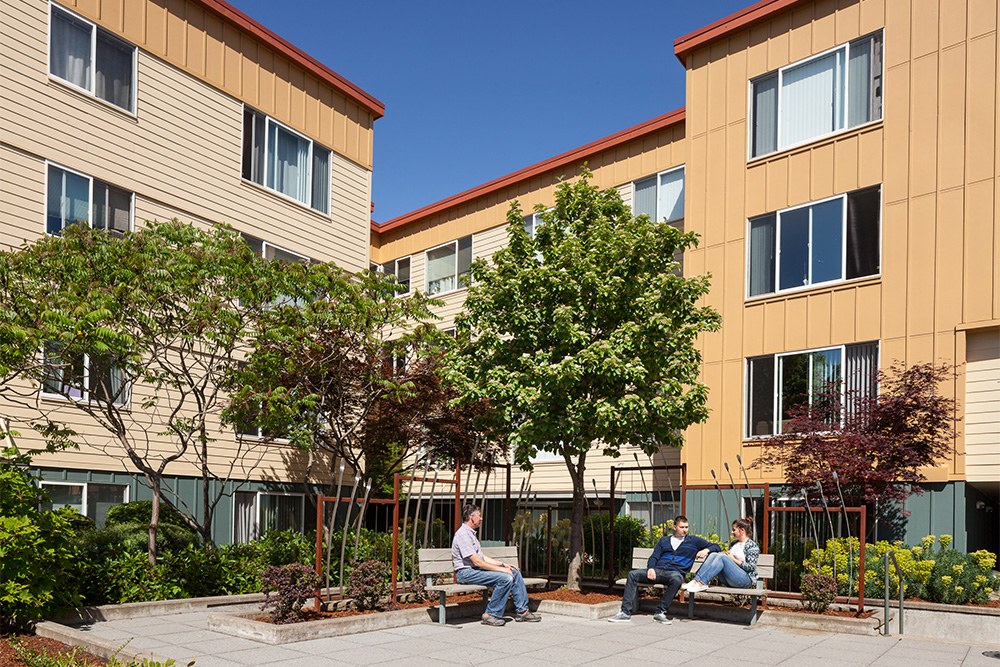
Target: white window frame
[659,183]
[777,249]
[268,121]
[125,400]
[454,244]
[256,506]
[846,104]
[134,112]
[775,407]
[395,268]
[42,483]
[90,197]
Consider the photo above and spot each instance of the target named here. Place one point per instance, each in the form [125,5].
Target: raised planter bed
[245,625]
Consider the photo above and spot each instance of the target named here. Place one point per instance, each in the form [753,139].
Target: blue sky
[475,90]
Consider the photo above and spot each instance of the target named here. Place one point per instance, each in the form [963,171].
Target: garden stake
[673,499]
[416,513]
[468,479]
[805,496]
[732,484]
[406,517]
[329,532]
[486,482]
[850,544]
[659,494]
[343,540]
[430,505]
[521,534]
[829,518]
[475,485]
[593,538]
[721,497]
[597,499]
[747,479]
[361,517]
[649,498]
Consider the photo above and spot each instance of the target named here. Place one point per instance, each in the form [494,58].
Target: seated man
[671,560]
[472,566]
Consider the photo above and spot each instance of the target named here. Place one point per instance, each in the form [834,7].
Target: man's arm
[484,562]
[705,547]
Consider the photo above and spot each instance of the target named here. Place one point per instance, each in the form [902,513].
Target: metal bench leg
[753,610]
[441,607]
[690,606]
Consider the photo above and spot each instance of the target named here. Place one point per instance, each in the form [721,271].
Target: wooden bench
[765,570]
[438,561]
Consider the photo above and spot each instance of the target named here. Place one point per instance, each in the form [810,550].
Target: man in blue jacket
[671,560]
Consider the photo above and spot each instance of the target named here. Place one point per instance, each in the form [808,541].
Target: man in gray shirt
[472,566]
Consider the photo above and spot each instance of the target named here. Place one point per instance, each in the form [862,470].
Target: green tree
[582,337]
[140,334]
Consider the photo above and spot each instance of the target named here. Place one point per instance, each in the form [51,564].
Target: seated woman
[736,568]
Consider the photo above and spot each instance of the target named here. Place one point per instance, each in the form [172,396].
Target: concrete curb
[103,648]
[592,612]
[118,612]
[243,624]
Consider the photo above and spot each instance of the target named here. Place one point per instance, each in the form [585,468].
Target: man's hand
[702,555]
[651,574]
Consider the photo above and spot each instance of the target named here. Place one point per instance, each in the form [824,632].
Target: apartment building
[840,162]
[121,111]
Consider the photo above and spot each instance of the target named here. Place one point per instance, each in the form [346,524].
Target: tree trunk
[205,527]
[573,575]
[154,518]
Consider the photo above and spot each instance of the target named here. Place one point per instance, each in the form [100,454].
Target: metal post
[458,495]
[885,597]
[611,532]
[684,483]
[861,560]
[395,528]
[507,510]
[548,541]
[319,546]
[767,515]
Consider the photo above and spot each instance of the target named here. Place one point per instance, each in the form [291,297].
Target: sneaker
[660,617]
[493,620]
[695,586]
[527,616]
[620,617]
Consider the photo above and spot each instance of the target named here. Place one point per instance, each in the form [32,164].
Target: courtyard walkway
[557,640]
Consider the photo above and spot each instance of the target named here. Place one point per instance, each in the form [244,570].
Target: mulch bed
[310,615]
[42,645]
[581,597]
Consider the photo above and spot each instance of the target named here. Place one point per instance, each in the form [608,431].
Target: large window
[830,240]
[84,377]
[74,198]
[258,513]
[448,265]
[92,59]
[776,383]
[661,197]
[833,91]
[87,498]
[285,161]
[401,269]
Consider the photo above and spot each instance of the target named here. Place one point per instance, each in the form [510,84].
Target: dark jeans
[671,580]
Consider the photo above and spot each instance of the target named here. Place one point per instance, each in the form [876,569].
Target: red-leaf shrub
[368,585]
[292,585]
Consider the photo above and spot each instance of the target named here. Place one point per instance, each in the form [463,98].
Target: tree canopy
[583,335]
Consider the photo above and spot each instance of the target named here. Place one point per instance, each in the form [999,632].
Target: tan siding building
[166,106]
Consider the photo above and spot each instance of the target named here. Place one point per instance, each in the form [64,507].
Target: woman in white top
[736,568]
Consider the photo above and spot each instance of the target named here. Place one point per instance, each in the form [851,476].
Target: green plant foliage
[370,585]
[940,574]
[140,511]
[36,552]
[818,591]
[33,658]
[583,336]
[291,586]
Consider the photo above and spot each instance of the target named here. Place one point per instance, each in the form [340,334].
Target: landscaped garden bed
[31,645]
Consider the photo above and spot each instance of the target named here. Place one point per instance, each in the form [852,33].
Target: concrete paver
[557,640]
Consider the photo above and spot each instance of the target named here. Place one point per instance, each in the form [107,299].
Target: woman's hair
[745,525]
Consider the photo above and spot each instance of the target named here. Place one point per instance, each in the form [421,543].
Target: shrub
[369,586]
[291,585]
[36,552]
[141,511]
[818,591]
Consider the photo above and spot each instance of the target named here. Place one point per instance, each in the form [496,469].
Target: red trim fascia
[569,157]
[740,20]
[234,16]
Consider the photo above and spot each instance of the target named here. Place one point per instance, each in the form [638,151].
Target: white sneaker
[660,617]
[695,586]
[620,617]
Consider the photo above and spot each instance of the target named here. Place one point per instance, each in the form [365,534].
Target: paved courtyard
[557,640]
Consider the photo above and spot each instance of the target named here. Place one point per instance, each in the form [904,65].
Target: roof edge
[653,125]
[741,20]
[232,15]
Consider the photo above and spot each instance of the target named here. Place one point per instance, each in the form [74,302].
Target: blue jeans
[722,566]
[502,584]
[671,580]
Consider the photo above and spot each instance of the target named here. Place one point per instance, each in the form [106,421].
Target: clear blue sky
[475,90]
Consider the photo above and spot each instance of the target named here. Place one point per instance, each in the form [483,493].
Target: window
[830,92]
[827,241]
[95,498]
[84,377]
[776,383]
[531,223]
[401,269]
[258,513]
[285,161]
[661,197]
[74,198]
[91,59]
[448,266]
